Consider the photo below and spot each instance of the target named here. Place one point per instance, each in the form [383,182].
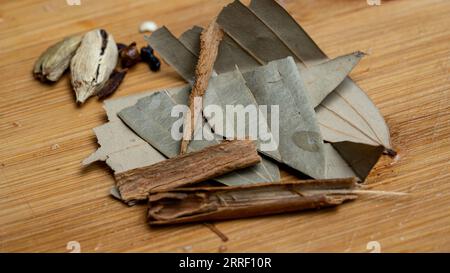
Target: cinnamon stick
[194,204]
[209,46]
[187,169]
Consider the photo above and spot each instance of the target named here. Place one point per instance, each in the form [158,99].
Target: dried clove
[113,83]
[129,55]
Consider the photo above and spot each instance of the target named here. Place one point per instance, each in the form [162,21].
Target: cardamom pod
[93,63]
[56,59]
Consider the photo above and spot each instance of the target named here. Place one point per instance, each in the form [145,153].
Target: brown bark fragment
[194,204]
[209,46]
[187,169]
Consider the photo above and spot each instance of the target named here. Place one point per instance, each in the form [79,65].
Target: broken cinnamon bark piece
[209,46]
[187,169]
[183,205]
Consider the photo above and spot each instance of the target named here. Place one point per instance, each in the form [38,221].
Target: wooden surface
[47,199]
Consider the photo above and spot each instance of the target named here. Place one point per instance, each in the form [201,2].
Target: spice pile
[329,130]
[97,64]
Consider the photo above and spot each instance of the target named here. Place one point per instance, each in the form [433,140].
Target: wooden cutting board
[48,200]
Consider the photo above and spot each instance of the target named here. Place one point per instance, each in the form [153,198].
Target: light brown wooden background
[47,199]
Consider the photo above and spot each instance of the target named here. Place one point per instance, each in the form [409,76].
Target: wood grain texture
[47,199]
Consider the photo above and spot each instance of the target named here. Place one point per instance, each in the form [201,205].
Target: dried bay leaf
[279,83]
[360,121]
[232,55]
[346,62]
[151,119]
[340,170]
[348,105]
[321,79]
[113,106]
[252,34]
[336,166]
[342,117]
[287,29]
[301,145]
[123,150]
[292,34]
[191,39]
[120,147]
[353,117]
[329,118]
[174,52]
[230,89]
[361,157]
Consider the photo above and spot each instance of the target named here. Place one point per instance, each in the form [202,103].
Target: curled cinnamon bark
[219,203]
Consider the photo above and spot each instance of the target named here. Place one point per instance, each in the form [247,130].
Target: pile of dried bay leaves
[329,130]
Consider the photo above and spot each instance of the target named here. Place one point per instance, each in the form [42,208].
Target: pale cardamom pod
[93,63]
[56,59]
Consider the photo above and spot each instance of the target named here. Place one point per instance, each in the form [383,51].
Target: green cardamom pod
[56,59]
[93,63]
